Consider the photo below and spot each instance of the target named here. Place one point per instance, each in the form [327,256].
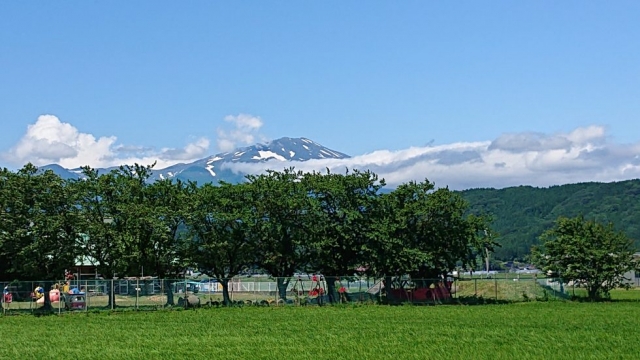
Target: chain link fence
[156,294]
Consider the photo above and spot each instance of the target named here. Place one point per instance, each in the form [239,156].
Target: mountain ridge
[210,169]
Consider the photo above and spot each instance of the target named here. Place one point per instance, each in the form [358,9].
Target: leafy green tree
[38,236]
[280,204]
[16,233]
[425,233]
[108,207]
[220,221]
[164,247]
[586,252]
[341,219]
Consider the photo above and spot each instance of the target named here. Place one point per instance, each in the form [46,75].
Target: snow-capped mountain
[210,169]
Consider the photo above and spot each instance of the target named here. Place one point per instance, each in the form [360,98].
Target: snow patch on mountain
[213,169]
[268,155]
[209,169]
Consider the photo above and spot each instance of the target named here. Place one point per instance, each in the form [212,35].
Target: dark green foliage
[38,225]
[588,253]
[219,219]
[424,232]
[342,216]
[521,214]
[280,222]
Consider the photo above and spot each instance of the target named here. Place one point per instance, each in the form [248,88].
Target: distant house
[85,267]
[634,276]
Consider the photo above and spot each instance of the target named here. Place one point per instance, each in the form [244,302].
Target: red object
[342,289]
[314,278]
[76,302]
[8,298]
[439,292]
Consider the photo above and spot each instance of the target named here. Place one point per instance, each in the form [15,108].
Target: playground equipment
[420,291]
[342,291]
[54,296]
[317,291]
[7,298]
[38,293]
[75,301]
[189,301]
[298,287]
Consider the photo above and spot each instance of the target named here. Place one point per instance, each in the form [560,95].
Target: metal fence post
[496,286]
[231,295]
[275,297]
[112,295]
[86,295]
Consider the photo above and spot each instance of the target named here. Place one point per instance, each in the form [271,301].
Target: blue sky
[153,76]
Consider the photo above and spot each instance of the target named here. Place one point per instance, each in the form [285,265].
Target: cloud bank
[538,159]
[582,155]
[51,141]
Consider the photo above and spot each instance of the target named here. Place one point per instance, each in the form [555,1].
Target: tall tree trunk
[47,300]
[283,283]
[169,291]
[387,288]
[111,304]
[593,292]
[226,300]
[331,289]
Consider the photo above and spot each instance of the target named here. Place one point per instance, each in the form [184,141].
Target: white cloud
[194,150]
[51,141]
[245,131]
[585,154]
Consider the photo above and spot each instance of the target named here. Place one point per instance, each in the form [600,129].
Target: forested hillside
[522,213]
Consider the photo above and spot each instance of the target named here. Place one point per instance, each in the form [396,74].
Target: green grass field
[525,330]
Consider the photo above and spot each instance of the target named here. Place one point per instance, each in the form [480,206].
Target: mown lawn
[632,294]
[552,330]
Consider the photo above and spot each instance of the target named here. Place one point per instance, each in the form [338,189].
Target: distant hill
[523,213]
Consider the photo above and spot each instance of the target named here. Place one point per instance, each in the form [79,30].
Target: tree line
[522,214]
[281,222]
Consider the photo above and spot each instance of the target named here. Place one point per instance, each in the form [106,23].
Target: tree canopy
[280,222]
[586,252]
